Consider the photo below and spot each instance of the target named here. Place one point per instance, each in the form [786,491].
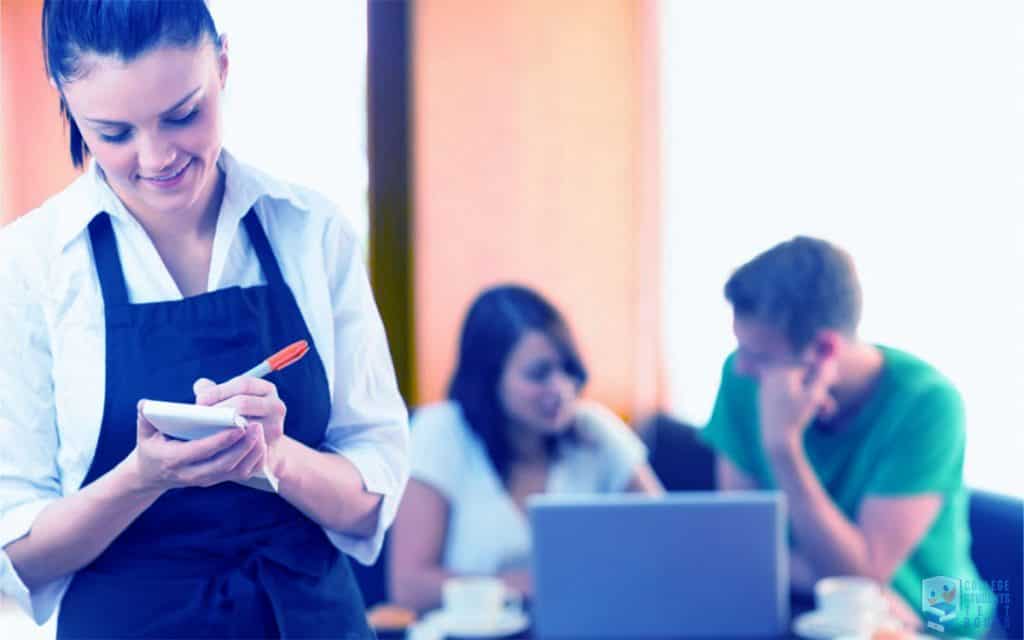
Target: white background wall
[893,128]
[295,104]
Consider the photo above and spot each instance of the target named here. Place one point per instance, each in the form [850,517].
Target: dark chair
[997,549]
[680,460]
[373,580]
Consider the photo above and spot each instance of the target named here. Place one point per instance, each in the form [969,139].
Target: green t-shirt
[907,439]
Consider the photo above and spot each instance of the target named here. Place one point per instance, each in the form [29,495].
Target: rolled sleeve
[29,478]
[622,450]
[40,603]
[378,478]
[369,421]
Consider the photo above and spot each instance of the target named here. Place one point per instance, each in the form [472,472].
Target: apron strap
[258,238]
[108,262]
[111,274]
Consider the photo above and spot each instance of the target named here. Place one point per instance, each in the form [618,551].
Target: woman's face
[535,391]
[153,124]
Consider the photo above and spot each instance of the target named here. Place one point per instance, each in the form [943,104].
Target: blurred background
[622,157]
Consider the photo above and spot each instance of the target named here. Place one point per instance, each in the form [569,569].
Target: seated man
[866,441]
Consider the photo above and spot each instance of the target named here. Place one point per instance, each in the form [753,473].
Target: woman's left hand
[255,399]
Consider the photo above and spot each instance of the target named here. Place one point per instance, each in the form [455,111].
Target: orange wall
[34,161]
[536,161]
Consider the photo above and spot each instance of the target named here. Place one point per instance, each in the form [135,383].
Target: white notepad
[192,422]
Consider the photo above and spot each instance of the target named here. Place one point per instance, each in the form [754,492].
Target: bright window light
[295,105]
[893,129]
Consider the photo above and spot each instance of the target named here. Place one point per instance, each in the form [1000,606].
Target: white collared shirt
[52,343]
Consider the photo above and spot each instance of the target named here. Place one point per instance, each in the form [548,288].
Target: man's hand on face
[790,397]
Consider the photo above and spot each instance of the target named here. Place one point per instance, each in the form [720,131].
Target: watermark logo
[968,604]
[940,600]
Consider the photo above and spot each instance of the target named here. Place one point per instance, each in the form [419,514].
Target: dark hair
[496,321]
[123,28]
[799,287]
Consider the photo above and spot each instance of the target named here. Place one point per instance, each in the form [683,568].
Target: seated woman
[513,427]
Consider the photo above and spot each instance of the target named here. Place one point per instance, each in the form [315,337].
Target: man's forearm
[831,543]
[801,575]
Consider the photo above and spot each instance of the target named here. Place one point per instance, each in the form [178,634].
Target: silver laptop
[685,565]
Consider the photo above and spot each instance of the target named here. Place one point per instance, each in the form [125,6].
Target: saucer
[439,624]
[818,625]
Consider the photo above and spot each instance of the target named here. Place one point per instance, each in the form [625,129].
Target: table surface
[798,604]
[16,624]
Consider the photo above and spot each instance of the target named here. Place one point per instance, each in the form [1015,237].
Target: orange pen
[279,360]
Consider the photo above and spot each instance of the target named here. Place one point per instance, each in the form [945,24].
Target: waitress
[166,266]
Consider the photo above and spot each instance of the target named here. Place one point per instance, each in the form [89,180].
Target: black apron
[226,561]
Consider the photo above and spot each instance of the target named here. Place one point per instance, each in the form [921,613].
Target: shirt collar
[90,195]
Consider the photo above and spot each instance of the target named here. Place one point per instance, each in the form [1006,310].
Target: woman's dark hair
[122,28]
[496,321]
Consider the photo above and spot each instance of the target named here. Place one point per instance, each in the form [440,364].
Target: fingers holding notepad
[254,399]
[203,447]
[234,424]
[251,395]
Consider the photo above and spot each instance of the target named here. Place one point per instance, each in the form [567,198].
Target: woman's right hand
[164,463]
[520,581]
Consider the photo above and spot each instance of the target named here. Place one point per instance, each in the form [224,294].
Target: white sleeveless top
[487,533]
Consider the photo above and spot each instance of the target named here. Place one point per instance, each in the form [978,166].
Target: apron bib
[226,561]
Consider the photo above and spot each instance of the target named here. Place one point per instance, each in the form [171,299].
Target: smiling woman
[153,126]
[514,426]
[168,265]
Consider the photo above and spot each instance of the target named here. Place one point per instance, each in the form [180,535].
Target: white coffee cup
[854,603]
[476,603]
